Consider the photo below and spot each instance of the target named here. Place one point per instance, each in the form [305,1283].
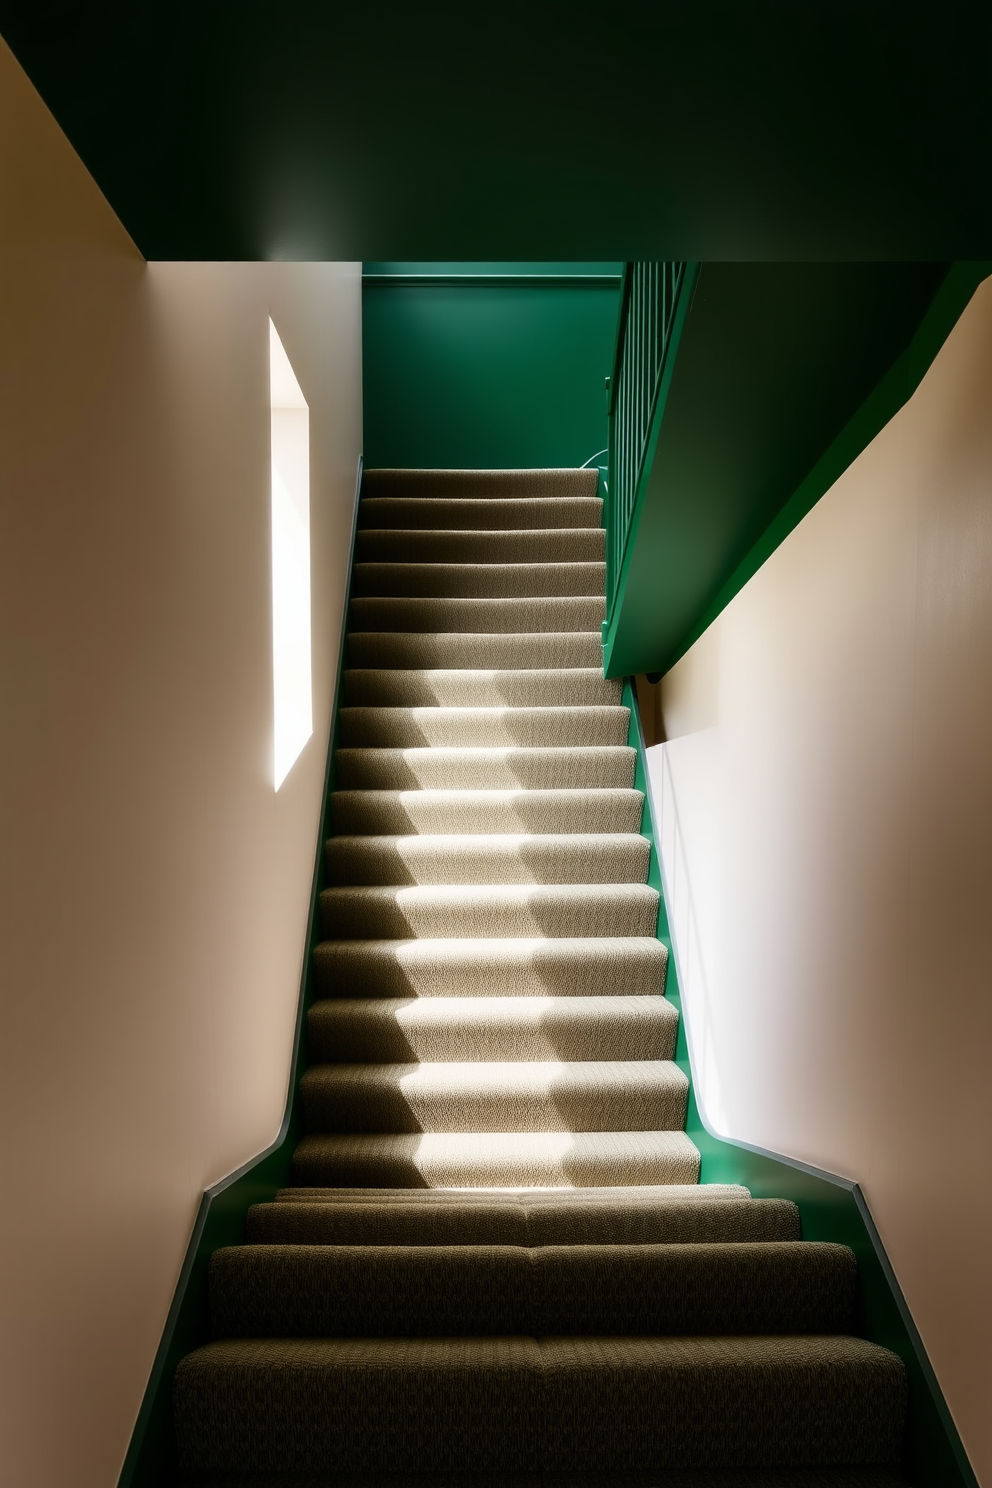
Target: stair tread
[540,650]
[546,1160]
[468,726]
[432,811]
[493,967]
[471,513]
[785,1287]
[433,859]
[491,1028]
[450,580]
[473,767]
[477,686]
[519,1402]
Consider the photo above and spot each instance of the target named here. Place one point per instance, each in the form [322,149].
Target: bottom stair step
[520,1404]
[760,1477]
[497,1159]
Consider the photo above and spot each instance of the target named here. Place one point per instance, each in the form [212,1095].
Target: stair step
[652,1195]
[483,485]
[476,580]
[539,650]
[505,858]
[530,967]
[745,1477]
[378,1291]
[479,616]
[522,545]
[517,1403]
[617,966]
[406,728]
[479,1220]
[468,514]
[525,1096]
[487,1029]
[488,910]
[395,813]
[600,766]
[565,687]
[496,1159]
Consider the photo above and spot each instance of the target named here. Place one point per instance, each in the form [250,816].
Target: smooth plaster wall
[825,803]
[154,888]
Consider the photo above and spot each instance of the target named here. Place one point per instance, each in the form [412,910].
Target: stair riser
[500,860]
[465,1290]
[346,914]
[416,1221]
[519,1161]
[575,688]
[514,652]
[602,768]
[478,616]
[545,968]
[411,512]
[478,580]
[408,728]
[390,813]
[525,545]
[559,1404]
[516,1029]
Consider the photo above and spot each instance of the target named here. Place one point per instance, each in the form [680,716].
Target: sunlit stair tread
[587,809]
[382,727]
[478,616]
[465,687]
[478,768]
[488,910]
[405,1291]
[512,1403]
[415,1217]
[539,650]
[536,966]
[491,1028]
[496,1159]
[520,1096]
[478,579]
[488,858]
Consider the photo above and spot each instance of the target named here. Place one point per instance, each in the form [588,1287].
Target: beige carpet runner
[498,1263]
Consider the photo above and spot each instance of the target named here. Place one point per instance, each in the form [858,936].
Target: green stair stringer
[832,1209]
[150,1461]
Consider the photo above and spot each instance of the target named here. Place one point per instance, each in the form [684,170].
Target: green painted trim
[831,1208]
[686,291]
[889,395]
[490,281]
[220,1220]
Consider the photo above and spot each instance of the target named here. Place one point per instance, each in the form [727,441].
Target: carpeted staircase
[498,1263]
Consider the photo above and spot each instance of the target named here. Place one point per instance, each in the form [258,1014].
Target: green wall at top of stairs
[472,376]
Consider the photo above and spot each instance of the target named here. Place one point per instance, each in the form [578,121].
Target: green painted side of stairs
[495,1260]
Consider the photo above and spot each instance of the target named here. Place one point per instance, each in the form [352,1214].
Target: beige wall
[154,887]
[826,805]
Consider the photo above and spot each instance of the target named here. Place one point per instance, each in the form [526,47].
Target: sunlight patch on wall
[291,672]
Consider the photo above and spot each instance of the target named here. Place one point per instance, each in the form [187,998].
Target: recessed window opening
[291,675]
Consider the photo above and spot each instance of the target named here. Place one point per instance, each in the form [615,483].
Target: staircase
[498,1259]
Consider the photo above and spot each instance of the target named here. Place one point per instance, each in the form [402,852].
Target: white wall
[825,798]
[153,887]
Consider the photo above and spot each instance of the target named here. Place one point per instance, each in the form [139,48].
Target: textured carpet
[496,1267]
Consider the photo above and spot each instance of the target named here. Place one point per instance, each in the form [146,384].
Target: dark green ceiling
[474,130]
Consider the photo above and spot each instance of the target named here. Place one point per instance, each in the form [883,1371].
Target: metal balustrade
[647,311]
